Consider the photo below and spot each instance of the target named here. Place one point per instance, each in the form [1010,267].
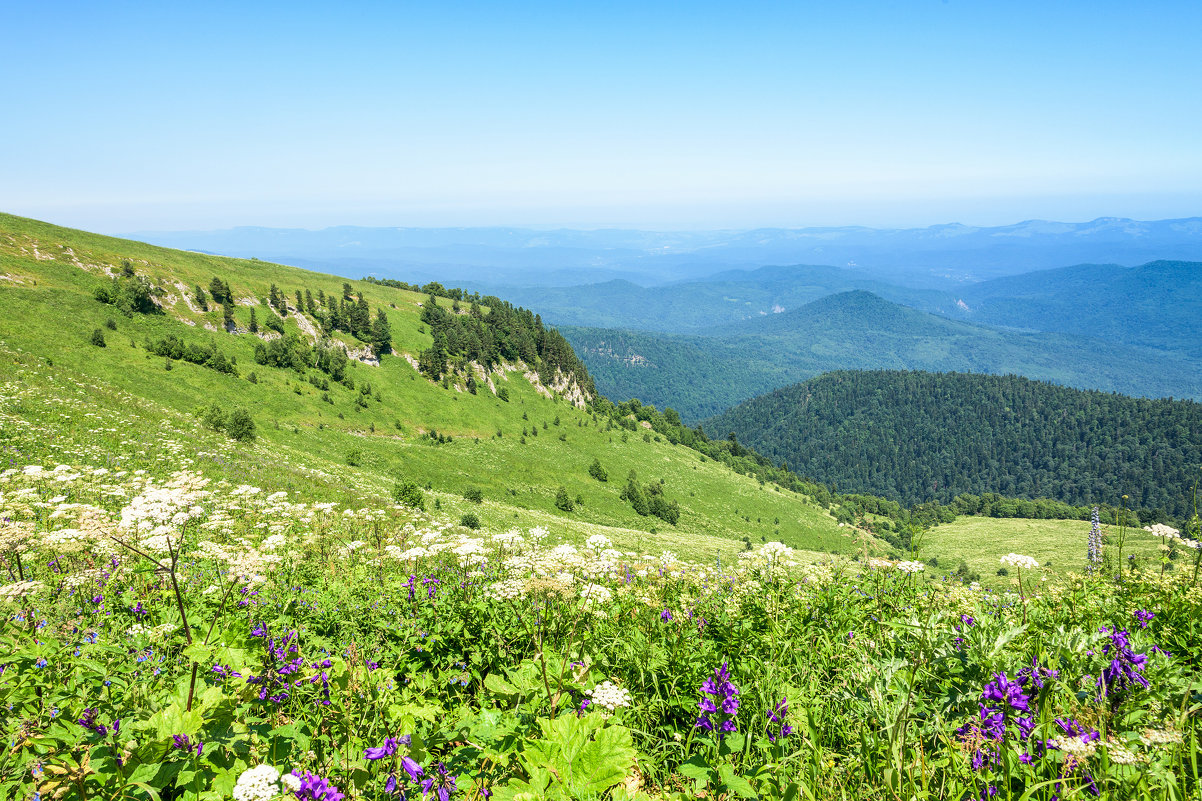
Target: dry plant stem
[179,599]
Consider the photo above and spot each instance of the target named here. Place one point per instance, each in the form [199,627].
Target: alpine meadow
[625,402]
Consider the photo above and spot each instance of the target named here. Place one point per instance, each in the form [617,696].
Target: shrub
[503,394]
[563,501]
[473,494]
[597,471]
[470,520]
[409,494]
[240,425]
[212,416]
[98,338]
[354,457]
[110,324]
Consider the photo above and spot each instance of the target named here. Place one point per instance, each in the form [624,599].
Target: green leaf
[736,783]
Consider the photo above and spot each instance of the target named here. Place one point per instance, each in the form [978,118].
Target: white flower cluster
[1119,754]
[1154,737]
[507,589]
[1161,530]
[1077,746]
[1020,561]
[911,567]
[22,589]
[260,783]
[609,696]
[594,594]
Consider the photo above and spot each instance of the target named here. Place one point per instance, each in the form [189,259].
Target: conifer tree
[381,335]
[254,322]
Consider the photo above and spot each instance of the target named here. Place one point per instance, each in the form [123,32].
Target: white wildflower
[911,567]
[260,783]
[22,589]
[598,542]
[609,696]
[1020,561]
[595,594]
[1077,746]
[291,781]
[1120,754]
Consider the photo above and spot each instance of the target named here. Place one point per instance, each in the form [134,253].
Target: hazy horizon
[140,116]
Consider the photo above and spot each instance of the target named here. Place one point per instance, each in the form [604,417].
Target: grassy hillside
[1059,545]
[47,279]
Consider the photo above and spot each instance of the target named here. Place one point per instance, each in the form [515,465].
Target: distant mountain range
[700,375]
[940,256]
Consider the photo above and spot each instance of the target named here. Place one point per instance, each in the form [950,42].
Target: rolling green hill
[517,439]
[916,437]
[700,376]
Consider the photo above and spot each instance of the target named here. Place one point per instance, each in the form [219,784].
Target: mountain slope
[1158,304]
[858,330]
[917,436]
[518,452]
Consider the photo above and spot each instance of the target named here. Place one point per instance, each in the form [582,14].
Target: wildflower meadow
[167,635]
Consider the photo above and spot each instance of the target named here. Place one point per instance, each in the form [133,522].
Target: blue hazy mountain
[940,256]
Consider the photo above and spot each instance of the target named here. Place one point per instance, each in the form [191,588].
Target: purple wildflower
[777,728]
[315,788]
[1126,668]
[719,699]
[1144,617]
[442,784]
[385,750]
[665,615]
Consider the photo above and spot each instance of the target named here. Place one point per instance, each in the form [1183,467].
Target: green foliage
[240,425]
[470,520]
[98,338]
[409,494]
[563,501]
[597,471]
[212,416]
[473,494]
[354,457]
[131,294]
[919,437]
[203,355]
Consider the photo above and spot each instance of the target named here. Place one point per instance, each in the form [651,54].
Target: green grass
[1060,544]
[50,314]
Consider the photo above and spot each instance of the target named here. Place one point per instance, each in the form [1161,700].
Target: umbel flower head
[719,703]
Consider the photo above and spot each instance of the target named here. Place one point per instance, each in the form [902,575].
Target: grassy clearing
[1057,544]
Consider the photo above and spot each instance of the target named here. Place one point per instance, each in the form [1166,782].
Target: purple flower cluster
[1144,617]
[439,782]
[315,788]
[89,722]
[1126,668]
[1003,701]
[777,728]
[183,742]
[719,703]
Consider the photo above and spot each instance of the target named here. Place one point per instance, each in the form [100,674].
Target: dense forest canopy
[916,437]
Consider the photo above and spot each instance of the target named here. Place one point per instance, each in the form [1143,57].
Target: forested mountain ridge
[1158,304]
[918,436]
[701,376]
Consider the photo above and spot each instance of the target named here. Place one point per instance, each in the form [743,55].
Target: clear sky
[164,115]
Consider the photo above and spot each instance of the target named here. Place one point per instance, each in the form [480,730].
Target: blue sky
[136,116]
